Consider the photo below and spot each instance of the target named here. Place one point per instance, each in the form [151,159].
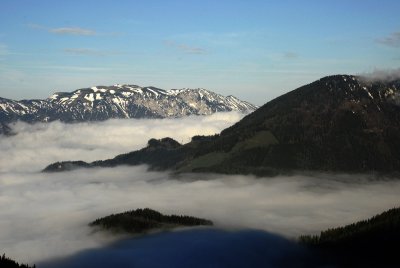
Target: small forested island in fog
[141,221]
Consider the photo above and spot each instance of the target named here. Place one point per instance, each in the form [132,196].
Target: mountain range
[118,101]
[338,123]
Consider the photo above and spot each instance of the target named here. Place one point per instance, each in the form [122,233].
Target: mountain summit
[338,123]
[119,101]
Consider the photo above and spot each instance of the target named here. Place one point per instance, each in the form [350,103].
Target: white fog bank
[46,215]
[35,146]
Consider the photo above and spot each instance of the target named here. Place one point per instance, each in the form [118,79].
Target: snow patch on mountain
[119,101]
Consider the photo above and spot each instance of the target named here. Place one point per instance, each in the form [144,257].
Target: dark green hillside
[159,154]
[143,220]
[338,123]
[369,243]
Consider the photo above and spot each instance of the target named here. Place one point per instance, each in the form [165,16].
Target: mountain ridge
[119,101]
[339,123]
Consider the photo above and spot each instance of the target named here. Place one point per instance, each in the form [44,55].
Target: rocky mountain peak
[119,101]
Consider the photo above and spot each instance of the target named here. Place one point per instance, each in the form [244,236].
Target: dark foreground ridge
[140,221]
[368,243]
[9,263]
[339,123]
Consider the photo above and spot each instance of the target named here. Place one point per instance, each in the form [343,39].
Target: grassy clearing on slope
[207,160]
[261,139]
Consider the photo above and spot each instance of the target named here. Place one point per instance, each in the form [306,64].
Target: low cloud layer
[45,215]
[382,75]
[35,146]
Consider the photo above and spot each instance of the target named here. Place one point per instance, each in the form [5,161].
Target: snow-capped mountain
[119,101]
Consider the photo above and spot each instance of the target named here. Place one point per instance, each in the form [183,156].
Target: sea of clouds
[44,216]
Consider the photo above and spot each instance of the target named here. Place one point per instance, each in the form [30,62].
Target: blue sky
[255,50]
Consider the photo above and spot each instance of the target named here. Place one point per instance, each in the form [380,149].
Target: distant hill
[368,243]
[144,220]
[338,123]
[118,101]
